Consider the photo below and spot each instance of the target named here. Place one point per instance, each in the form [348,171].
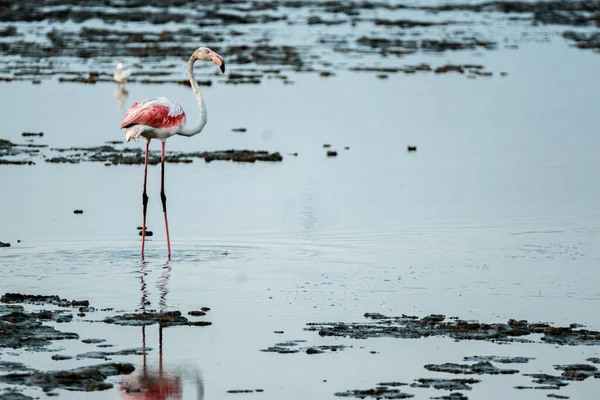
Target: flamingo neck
[196,89]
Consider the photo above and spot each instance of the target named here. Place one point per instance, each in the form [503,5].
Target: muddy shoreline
[26,330]
[243,32]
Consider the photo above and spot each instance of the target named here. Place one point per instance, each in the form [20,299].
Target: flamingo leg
[145,197]
[163,197]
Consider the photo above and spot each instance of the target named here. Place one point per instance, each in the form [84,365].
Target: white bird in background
[121,74]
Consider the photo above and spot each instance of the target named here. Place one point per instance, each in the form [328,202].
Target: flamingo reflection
[121,95]
[151,384]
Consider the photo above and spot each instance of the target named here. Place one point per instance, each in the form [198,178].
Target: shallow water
[494,217]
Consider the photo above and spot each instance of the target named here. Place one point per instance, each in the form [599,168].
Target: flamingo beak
[217,59]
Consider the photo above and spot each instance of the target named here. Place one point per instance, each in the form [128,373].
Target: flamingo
[121,74]
[161,118]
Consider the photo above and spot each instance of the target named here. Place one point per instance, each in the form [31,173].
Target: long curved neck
[196,89]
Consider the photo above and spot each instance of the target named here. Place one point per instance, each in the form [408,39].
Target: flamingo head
[206,54]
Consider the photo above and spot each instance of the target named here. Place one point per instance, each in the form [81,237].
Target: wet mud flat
[24,328]
[28,154]
[41,40]
[435,325]
[25,319]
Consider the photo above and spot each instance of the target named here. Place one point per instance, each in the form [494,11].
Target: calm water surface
[494,217]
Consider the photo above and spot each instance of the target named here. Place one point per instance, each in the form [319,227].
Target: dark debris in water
[292,346]
[412,327]
[135,156]
[480,368]
[13,394]
[42,299]
[84,379]
[105,355]
[578,372]
[240,31]
[445,384]
[26,330]
[164,319]
[380,392]
[452,396]
[502,360]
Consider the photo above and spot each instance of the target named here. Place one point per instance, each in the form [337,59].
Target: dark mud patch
[578,372]
[9,366]
[380,392]
[26,330]
[403,46]
[93,341]
[412,327]
[501,360]
[110,155]
[481,368]
[293,346]
[452,396]
[61,357]
[11,394]
[238,391]
[13,298]
[468,70]
[105,355]
[164,319]
[242,31]
[445,384]
[84,379]
[584,40]
[545,381]
[12,153]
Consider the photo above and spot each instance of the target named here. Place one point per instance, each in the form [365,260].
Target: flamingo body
[158,118]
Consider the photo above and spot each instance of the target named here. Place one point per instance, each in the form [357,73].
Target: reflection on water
[161,383]
[121,95]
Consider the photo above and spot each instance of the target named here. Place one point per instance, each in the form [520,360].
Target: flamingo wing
[155,113]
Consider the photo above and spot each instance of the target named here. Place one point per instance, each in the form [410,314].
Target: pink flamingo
[160,118]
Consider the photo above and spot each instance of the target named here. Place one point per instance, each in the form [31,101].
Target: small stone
[411,148]
[197,313]
[331,153]
[77,211]
[60,357]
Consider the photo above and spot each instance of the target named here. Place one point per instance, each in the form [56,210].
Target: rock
[379,392]
[445,384]
[77,211]
[502,360]
[59,357]
[2,244]
[331,153]
[93,341]
[197,313]
[478,368]
[85,379]
[412,327]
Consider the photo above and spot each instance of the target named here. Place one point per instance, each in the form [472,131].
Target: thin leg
[163,198]
[145,197]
